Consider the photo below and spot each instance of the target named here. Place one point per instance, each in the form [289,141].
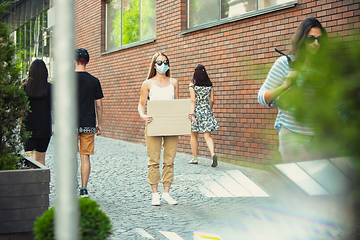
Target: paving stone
[118,182]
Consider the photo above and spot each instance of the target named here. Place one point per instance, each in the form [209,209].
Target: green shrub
[330,99]
[44,225]
[94,223]
[8,162]
[13,102]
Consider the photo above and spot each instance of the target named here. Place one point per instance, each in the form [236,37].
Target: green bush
[44,225]
[13,102]
[94,223]
[329,100]
[8,162]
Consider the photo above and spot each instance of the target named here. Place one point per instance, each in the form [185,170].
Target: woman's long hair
[298,39]
[152,70]
[200,77]
[36,86]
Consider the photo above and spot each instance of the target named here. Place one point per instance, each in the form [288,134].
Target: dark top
[89,90]
[38,120]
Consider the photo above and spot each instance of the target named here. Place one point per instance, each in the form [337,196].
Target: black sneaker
[214,161]
[84,193]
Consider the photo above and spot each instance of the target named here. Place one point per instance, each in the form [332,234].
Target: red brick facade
[237,56]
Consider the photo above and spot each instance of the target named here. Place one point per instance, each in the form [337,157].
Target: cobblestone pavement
[118,182]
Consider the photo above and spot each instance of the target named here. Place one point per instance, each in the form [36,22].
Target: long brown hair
[298,39]
[152,70]
[36,86]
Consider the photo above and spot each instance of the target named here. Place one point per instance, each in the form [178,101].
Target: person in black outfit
[90,110]
[38,121]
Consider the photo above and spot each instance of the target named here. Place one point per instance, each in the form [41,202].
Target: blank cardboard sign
[169,117]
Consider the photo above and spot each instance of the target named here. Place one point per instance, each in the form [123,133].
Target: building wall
[237,57]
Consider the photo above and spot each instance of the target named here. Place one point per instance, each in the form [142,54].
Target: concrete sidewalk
[231,201]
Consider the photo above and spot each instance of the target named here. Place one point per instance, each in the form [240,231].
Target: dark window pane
[21,11]
[113,24]
[202,11]
[40,6]
[22,37]
[231,8]
[45,19]
[24,68]
[27,34]
[27,54]
[46,50]
[46,4]
[41,28]
[17,18]
[32,52]
[28,11]
[33,10]
[18,38]
[148,19]
[32,32]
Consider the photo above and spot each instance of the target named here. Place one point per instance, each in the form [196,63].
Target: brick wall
[237,56]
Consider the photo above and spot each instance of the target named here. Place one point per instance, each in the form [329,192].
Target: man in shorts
[90,111]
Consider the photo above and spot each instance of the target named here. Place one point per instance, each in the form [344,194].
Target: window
[32,41]
[206,11]
[129,21]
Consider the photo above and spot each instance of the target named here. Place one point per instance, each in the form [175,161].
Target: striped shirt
[275,78]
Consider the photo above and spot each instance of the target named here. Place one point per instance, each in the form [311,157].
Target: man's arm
[99,113]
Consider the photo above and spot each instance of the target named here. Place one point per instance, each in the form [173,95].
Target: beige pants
[153,145]
[296,147]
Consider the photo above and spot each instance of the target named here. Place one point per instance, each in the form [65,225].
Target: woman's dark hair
[36,86]
[298,39]
[200,77]
[152,70]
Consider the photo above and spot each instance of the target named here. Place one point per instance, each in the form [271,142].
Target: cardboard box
[169,117]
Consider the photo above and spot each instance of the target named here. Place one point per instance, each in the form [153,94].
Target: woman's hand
[147,119]
[191,117]
[291,79]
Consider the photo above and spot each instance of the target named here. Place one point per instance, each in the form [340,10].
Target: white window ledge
[130,45]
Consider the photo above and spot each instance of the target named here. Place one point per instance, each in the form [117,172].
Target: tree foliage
[329,99]
[13,102]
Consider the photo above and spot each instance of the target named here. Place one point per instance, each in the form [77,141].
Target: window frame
[129,45]
[250,14]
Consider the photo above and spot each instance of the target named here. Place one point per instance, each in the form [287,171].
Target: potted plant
[24,183]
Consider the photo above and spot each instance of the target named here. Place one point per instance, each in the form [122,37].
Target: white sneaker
[168,199]
[155,199]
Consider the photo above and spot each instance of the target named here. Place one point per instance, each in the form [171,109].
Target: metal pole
[65,111]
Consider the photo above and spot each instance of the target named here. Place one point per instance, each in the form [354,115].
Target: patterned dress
[205,120]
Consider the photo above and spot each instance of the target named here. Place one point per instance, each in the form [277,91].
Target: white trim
[130,45]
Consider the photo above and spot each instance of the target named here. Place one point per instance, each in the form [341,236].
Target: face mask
[162,69]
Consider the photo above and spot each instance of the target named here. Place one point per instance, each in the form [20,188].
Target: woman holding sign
[159,86]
